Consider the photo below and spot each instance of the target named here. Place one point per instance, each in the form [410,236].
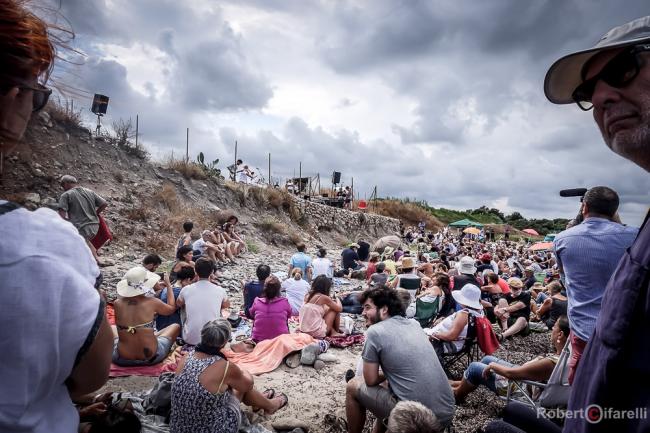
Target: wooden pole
[269,168]
[234,174]
[187,146]
[136,131]
[352,193]
[299,177]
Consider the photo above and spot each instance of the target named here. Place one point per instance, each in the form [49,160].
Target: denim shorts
[164,345]
[474,373]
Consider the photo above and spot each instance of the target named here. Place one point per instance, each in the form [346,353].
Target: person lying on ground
[253,289]
[295,289]
[208,389]
[449,335]
[270,312]
[203,301]
[513,310]
[186,237]
[491,370]
[390,339]
[320,315]
[184,277]
[183,258]
[136,342]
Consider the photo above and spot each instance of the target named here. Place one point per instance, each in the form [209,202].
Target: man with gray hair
[82,207]
[613,78]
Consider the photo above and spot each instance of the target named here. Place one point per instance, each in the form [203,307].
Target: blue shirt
[252,290]
[588,254]
[615,367]
[302,261]
[164,321]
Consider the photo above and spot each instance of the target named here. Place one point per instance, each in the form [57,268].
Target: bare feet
[278,402]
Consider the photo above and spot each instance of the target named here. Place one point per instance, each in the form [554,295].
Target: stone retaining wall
[323,217]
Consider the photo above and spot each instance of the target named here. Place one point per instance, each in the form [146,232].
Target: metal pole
[269,168]
[300,177]
[136,131]
[187,146]
[234,174]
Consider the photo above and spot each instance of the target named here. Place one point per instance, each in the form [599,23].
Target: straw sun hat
[137,281]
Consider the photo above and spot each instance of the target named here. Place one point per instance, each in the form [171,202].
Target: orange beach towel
[268,354]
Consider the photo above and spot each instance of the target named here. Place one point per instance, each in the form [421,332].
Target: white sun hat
[137,281]
[469,296]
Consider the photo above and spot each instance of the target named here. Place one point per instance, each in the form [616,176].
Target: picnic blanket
[346,341]
[268,354]
[169,364]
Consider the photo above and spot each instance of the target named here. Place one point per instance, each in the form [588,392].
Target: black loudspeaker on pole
[100,104]
[336,177]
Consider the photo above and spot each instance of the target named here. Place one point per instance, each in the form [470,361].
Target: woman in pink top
[270,312]
[320,315]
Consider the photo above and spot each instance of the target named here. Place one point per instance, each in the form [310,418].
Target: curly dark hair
[182,251]
[383,296]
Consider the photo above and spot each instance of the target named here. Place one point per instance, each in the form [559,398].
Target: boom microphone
[573,192]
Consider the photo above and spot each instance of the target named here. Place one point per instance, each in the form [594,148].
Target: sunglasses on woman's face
[40,95]
[618,73]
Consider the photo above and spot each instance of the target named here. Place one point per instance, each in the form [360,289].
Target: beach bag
[557,391]
[103,234]
[487,339]
[159,399]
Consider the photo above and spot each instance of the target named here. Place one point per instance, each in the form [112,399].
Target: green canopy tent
[465,223]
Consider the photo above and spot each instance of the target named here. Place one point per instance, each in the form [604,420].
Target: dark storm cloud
[480,130]
[211,70]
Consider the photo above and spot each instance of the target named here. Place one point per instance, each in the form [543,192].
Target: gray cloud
[470,124]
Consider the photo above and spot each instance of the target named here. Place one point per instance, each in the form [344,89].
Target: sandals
[349,375]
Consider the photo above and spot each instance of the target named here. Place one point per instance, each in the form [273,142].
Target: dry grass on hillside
[189,169]
[64,114]
[408,213]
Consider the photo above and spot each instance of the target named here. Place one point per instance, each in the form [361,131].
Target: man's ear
[584,209]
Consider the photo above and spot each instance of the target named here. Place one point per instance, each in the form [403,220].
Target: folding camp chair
[469,351]
[554,393]
[426,312]
[410,284]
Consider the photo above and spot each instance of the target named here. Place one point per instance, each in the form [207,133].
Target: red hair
[26,49]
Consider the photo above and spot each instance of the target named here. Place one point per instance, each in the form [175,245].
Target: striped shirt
[588,254]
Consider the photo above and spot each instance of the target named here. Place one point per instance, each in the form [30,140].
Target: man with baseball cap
[613,78]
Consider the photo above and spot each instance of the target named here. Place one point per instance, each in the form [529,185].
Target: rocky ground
[148,202]
[315,394]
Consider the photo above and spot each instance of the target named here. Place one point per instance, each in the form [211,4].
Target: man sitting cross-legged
[410,367]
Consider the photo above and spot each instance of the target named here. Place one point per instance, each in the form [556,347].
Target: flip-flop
[285,400]
[269,393]
[349,375]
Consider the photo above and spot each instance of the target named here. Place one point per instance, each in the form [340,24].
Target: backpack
[487,339]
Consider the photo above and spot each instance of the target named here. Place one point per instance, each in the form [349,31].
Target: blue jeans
[474,373]
[541,297]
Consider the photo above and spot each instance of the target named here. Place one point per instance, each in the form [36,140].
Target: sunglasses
[618,73]
[40,95]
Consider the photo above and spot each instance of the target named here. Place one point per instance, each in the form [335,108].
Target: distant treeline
[485,215]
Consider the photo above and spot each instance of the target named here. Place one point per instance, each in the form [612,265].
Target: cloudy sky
[437,100]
